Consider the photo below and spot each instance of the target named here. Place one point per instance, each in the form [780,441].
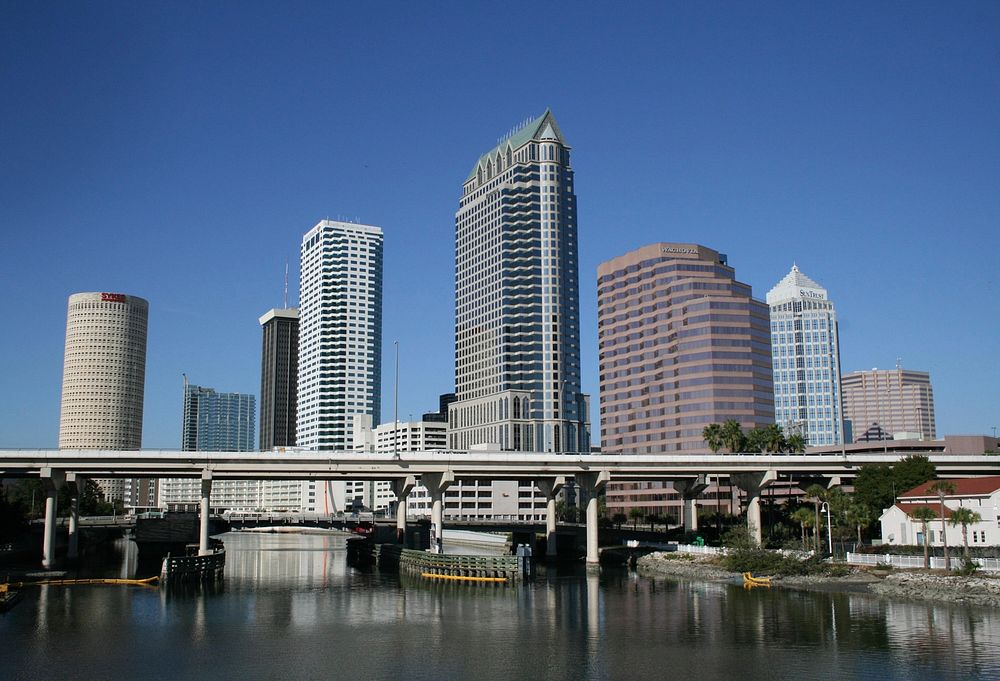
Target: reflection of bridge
[437,470]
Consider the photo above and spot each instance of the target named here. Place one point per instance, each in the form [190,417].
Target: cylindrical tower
[104,372]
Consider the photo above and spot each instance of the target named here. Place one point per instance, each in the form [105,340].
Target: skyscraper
[517,333]
[340,341]
[279,364]
[217,422]
[682,344]
[214,422]
[805,352]
[899,401]
[104,374]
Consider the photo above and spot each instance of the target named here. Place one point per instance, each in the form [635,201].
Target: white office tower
[104,375]
[805,353]
[517,321]
[340,344]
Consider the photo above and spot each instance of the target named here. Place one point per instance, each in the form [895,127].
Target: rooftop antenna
[285,299]
[899,362]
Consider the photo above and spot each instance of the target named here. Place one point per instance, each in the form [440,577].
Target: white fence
[985,564]
[701,550]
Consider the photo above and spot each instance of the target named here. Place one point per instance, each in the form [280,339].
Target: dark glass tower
[279,365]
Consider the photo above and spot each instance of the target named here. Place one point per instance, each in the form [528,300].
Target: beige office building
[682,344]
[104,374]
[889,402]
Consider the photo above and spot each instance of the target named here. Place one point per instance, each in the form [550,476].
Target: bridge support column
[752,484]
[52,482]
[206,506]
[402,487]
[550,487]
[689,490]
[75,485]
[593,483]
[436,484]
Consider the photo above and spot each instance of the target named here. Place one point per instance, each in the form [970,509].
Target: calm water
[292,609]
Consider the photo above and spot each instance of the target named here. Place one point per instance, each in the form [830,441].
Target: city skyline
[872,163]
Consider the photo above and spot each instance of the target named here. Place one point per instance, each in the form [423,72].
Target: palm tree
[861,516]
[634,514]
[795,443]
[965,517]
[732,436]
[713,437]
[943,488]
[756,440]
[804,517]
[774,438]
[818,494]
[925,514]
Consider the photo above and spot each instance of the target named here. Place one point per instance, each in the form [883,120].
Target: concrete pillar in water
[593,482]
[436,484]
[52,482]
[75,485]
[752,484]
[402,487]
[206,504]
[550,488]
[690,489]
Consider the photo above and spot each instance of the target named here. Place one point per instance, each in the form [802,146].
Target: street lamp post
[829,528]
[395,408]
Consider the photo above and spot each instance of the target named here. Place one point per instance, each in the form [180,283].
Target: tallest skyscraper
[517,329]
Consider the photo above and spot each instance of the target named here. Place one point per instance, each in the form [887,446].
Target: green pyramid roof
[527,133]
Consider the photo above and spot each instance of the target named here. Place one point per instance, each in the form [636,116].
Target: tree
[860,516]
[732,436]
[874,486]
[713,437]
[618,519]
[817,493]
[943,488]
[924,515]
[804,517]
[912,471]
[965,517]
[795,443]
[634,515]
[774,438]
[756,440]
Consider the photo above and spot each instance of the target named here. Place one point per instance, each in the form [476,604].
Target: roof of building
[964,487]
[908,509]
[791,285]
[543,127]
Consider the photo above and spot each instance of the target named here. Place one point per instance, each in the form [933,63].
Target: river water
[291,608]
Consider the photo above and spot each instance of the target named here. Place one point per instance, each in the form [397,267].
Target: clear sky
[178,151]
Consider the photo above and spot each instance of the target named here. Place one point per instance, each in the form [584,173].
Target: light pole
[395,408]
[829,528]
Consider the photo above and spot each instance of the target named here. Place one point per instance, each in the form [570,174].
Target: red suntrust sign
[112,297]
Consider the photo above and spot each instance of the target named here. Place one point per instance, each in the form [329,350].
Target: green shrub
[967,567]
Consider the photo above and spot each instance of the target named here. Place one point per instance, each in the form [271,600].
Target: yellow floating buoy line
[148,581]
[462,578]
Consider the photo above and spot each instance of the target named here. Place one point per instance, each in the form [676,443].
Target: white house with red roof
[981,495]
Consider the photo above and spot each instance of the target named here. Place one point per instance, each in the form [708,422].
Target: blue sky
[178,151]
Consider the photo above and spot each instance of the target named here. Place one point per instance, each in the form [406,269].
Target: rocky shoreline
[896,584]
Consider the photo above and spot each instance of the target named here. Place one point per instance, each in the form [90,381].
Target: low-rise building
[980,495]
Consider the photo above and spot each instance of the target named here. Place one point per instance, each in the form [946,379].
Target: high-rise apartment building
[682,344]
[214,422]
[900,401]
[217,422]
[340,343]
[805,351]
[517,327]
[104,374]
[279,364]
